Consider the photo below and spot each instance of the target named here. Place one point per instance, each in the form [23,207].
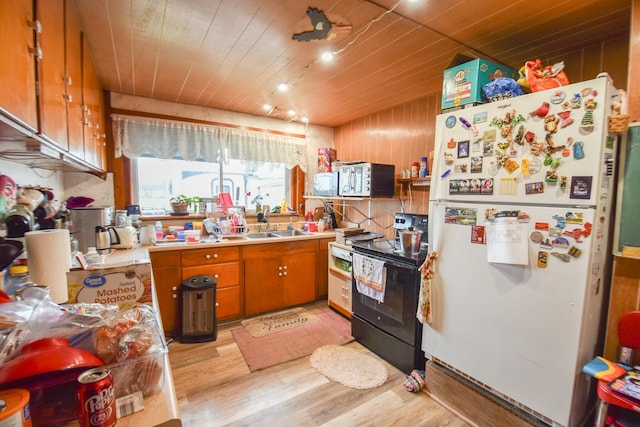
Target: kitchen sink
[261,235]
[289,233]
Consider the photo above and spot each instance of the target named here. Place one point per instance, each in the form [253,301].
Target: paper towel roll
[49,257]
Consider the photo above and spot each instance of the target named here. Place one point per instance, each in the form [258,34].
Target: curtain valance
[167,139]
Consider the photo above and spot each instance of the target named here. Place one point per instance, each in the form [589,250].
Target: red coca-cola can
[96,398]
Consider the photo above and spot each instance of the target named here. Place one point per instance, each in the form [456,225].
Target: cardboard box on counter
[122,285]
[326,156]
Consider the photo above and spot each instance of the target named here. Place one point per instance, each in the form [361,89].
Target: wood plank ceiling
[232,54]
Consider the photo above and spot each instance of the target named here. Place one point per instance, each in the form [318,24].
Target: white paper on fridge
[506,239]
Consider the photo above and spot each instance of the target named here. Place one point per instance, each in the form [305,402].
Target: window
[247,182]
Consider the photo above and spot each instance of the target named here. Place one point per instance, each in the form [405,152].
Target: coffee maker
[84,222]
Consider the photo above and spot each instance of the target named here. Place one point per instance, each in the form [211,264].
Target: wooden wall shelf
[407,183]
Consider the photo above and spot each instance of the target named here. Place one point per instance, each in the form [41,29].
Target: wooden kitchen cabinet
[93,111]
[279,275]
[73,78]
[51,71]
[18,96]
[224,265]
[167,278]
[322,271]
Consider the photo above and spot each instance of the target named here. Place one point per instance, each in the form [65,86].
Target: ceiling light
[327,56]
[291,112]
[266,107]
[283,87]
[304,119]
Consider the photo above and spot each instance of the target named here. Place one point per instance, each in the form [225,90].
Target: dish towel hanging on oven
[370,275]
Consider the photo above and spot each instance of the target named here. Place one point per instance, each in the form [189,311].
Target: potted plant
[180,204]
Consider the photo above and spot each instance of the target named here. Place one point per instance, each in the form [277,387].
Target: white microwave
[366,180]
[325,184]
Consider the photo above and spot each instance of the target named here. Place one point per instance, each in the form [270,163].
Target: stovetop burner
[390,249]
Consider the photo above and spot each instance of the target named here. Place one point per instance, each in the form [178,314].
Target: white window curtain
[167,139]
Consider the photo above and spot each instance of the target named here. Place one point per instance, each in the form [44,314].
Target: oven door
[397,315]
[351,180]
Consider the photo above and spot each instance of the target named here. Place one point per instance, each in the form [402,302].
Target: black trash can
[198,301]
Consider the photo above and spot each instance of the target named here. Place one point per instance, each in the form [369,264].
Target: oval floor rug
[349,367]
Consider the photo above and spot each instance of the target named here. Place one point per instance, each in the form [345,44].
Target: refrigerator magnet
[536,236]
[533,187]
[574,252]
[560,242]
[542,259]
[478,234]
[555,232]
[546,244]
[563,257]
[463,149]
[580,187]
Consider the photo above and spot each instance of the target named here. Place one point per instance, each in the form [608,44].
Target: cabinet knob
[215,255]
[217,304]
[279,268]
[175,288]
[279,274]
[207,256]
[285,267]
[284,274]
[174,296]
[215,275]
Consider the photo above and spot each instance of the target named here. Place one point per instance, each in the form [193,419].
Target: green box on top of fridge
[463,83]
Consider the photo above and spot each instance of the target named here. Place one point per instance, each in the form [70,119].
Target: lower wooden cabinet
[279,275]
[250,279]
[167,278]
[224,265]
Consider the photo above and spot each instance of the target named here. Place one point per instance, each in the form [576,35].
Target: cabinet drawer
[228,302]
[226,274]
[165,258]
[209,256]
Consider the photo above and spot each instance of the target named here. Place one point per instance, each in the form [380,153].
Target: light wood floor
[215,388]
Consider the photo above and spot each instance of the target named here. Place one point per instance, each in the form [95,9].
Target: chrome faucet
[268,218]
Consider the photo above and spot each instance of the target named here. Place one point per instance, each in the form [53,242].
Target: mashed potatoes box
[123,285]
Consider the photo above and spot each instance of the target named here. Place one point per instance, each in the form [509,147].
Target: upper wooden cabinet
[52,71]
[94,135]
[49,88]
[17,75]
[73,76]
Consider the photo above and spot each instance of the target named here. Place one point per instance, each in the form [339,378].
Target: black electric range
[389,327]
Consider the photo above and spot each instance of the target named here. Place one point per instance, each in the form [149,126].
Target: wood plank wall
[625,283]
[402,134]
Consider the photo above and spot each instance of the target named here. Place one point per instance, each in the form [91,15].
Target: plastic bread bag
[36,316]
[128,334]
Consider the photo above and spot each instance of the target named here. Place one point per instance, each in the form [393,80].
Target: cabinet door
[73,78]
[323,253]
[18,77]
[228,302]
[93,111]
[263,284]
[51,72]
[166,276]
[299,282]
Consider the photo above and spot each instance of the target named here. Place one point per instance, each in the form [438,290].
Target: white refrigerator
[520,211]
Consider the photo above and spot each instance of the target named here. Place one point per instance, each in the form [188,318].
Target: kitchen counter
[238,241]
[161,408]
